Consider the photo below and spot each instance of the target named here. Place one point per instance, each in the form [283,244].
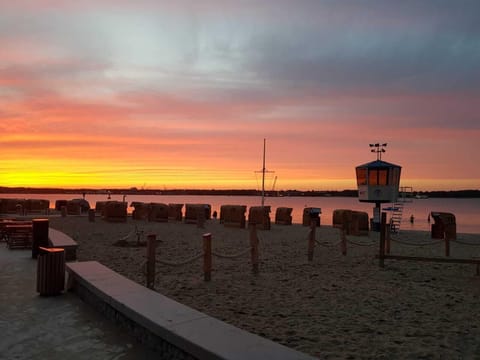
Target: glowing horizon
[182,95]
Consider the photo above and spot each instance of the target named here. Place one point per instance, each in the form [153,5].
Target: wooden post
[381,254]
[343,243]
[254,247]
[387,238]
[207,256]
[311,239]
[343,234]
[151,244]
[447,243]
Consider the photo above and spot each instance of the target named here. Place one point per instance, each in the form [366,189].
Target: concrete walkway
[59,327]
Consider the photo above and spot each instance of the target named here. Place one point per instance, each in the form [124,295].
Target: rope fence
[208,253]
[342,242]
[384,250]
[402,242]
[372,243]
[328,245]
[129,235]
[464,243]
[388,239]
[312,241]
[179,263]
[447,240]
[135,232]
[232,256]
[148,266]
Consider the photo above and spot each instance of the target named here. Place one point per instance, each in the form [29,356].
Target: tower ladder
[405,196]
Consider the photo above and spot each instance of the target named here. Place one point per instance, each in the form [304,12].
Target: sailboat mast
[263,174]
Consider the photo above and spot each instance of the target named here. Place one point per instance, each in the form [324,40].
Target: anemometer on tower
[379,149]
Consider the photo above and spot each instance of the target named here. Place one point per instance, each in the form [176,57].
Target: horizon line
[135,189]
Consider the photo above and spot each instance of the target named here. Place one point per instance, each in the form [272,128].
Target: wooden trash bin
[50,271]
[91,215]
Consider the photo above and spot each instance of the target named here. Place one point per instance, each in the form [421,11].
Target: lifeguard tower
[378,182]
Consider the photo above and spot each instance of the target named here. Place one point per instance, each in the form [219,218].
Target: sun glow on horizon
[61,175]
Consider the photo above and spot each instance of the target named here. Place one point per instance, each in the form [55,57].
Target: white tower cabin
[378,182]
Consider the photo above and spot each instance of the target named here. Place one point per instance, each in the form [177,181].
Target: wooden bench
[19,235]
[5,222]
[58,239]
[170,328]
[3,229]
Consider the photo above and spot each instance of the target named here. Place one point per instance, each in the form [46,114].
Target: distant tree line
[451,194]
[231,192]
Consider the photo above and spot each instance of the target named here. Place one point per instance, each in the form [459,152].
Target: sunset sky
[180,94]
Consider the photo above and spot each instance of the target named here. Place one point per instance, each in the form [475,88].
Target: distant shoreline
[230,192]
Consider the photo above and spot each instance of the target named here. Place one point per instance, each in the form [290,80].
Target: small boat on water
[418,196]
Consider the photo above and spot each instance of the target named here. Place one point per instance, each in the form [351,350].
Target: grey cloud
[422,48]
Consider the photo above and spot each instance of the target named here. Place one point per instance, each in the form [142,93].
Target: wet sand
[335,307]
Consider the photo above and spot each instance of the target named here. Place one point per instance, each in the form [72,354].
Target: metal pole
[381,253]
[263,174]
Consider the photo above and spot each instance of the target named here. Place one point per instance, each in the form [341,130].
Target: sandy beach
[335,307]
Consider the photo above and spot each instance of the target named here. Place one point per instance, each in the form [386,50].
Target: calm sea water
[466,211]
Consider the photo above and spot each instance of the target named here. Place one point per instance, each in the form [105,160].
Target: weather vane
[379,149]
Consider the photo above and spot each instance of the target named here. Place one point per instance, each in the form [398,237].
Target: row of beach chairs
[230,215]
[42,206]
[24,206]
